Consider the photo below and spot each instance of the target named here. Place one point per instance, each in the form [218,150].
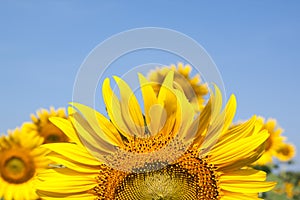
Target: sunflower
[20,161]
[41,124]
[285,152]
[192,87]
[273,143]
[169,152]
[289,187]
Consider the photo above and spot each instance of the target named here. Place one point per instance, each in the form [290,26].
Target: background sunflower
[193,88]
[42,126]
[20,161]
[275,146]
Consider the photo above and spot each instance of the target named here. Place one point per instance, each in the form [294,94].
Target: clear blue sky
[255,45]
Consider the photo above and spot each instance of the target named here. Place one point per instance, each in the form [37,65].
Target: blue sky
[255,45]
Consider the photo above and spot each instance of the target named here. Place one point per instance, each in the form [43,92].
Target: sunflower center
[52,134]
[269,143]
[16,167]
[187,180]
[285,151]
[52,138]
[168,183]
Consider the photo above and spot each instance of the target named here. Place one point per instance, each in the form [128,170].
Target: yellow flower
[274,141]
[192,87]
[20,161]
[289,187]
[41,124]
[285,152]
[169,152]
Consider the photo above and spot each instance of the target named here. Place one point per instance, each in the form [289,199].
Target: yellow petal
[237,132]
[101,126]
[248,187]
[72,151]
[66,126]
[114,109]
[239,150]
[150,100]
[74,165]
[91,140]
[130,107]
[243,175]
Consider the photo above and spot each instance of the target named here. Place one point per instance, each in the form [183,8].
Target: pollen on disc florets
[189,178]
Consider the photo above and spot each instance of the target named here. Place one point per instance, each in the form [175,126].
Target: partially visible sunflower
[274,141]
[41,125]
[289,187]
[286,152]
[164,153]
[20,161]
[275,145]
[192,87]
